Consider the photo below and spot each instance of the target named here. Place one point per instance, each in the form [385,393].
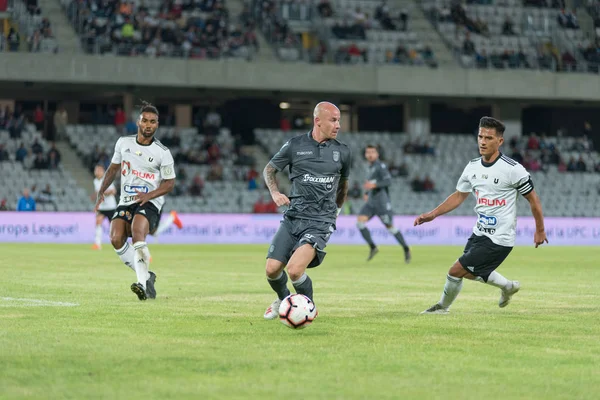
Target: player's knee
[273,268]
[360,224]
[117,240]
[456,270]
[295,272]
[391,229]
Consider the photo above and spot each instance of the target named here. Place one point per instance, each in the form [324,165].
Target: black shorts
[295,232]
[384,212]
[107,213]
[148,210]
[482,256]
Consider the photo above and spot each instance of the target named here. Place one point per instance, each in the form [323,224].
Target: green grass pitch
[205,338]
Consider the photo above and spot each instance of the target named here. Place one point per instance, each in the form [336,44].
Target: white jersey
[143,168]
[110,202]
[495,187]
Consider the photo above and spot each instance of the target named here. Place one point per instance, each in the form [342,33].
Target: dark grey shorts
[482,256]
[295,232]
[385,214]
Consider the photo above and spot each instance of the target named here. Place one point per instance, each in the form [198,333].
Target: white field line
[35,303]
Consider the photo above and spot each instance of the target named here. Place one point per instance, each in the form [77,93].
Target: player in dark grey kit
[378,203]
[319,169]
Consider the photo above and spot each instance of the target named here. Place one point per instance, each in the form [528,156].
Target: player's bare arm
[536,209]
[269,175]
[165,187]
[451,203]
[107,180]
[342,192]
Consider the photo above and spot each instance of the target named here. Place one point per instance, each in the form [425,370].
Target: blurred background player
[147,173]
[165,223]
[496,181]
[378,203]
[108,206]
[319,169]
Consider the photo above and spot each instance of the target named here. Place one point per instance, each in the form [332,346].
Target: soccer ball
[297,311]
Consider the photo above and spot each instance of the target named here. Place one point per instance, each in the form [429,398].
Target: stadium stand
[342,32]
[25,162]
[372,32]
[198,30]
[29,30]
[282,23]
[511,34]
[590,50]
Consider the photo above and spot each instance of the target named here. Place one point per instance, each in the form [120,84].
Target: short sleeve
[521,180]
[464,185]
[116,159]
[346,164]
[283,157]
[384,172]
[167,166]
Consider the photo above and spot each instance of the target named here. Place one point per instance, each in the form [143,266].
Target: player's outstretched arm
[269,176]
[107,180]
[539,236]
[451,203]
[165,187]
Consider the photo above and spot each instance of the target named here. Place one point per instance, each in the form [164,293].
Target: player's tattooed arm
[269,176]
[342,192]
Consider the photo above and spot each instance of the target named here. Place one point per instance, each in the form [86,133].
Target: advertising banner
[47,227]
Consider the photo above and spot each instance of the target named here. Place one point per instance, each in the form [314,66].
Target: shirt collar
[487,164]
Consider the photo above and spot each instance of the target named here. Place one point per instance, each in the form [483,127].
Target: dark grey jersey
[315,172]
[380,176]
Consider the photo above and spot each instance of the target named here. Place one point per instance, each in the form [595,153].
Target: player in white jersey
[147,174]
[107,208]
[496,181]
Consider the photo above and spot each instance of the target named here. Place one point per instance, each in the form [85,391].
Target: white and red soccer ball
[297,311]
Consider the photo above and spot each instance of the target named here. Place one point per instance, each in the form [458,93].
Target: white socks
[164,225]
[451,290]
[141,262]
[127,255]
[454,285]
[495,279]
[98,240]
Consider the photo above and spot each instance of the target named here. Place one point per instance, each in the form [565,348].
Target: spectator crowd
[200,29]
[39,37]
